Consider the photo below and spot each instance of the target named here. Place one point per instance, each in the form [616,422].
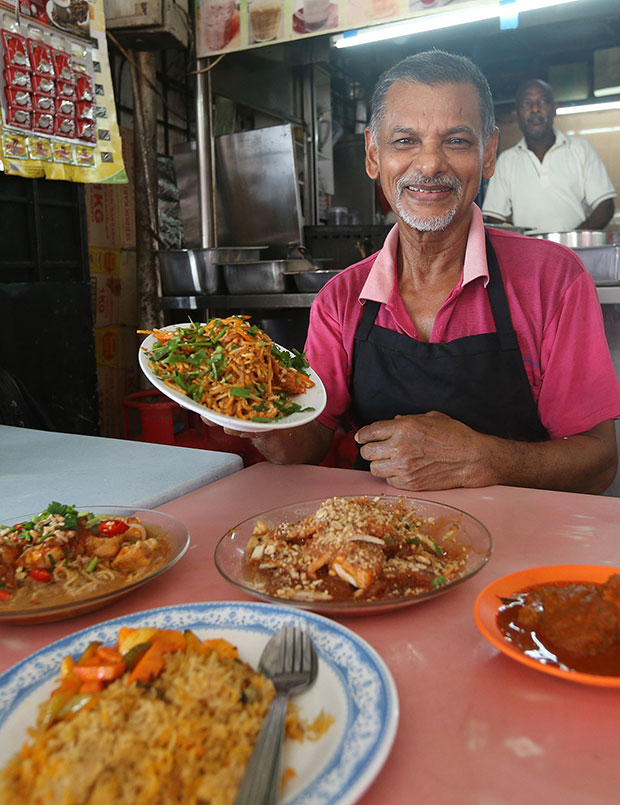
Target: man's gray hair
[433,67]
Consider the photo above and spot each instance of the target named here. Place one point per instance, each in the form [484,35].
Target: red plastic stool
[148,416]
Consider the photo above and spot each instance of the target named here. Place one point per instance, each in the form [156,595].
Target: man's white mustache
[421,179]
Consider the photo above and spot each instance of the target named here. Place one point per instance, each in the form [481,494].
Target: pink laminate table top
[476,728]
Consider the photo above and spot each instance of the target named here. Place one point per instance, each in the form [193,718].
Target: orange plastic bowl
[488,602]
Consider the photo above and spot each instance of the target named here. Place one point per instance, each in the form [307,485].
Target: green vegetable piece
[55,705]
[92,564]
[238,391]
[131,657]
[74,704]
[438,581]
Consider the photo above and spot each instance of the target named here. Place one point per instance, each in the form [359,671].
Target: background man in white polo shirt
[548,182]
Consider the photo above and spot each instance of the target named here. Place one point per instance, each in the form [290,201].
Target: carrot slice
[110,656]
[103,672]
[149,666]
[170,637]
[91,686]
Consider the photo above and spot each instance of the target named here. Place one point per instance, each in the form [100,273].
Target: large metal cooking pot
[186,271]
[583,238]
[312,281]
[263,276]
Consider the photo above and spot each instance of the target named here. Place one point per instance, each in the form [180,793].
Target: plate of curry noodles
[67,560]
[563,620]
[233,374]
[354,555]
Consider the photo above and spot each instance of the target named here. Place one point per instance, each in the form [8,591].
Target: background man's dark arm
[600,215]
[490,219]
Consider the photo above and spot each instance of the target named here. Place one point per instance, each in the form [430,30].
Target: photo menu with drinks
[56,96]
[223,26]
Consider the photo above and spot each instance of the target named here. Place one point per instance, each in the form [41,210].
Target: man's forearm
[600,216]
[307,444]
[491,219]
[582,463]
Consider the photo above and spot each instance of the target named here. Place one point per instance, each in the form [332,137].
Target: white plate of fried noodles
[241,380]
[353,685]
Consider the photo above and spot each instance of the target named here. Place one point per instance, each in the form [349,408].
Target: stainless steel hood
[257,191]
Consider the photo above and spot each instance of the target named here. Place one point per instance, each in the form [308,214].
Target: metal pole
[206,164]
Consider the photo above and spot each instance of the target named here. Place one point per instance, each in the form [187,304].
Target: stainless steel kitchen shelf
[608,294]
[276,301]
[255,301]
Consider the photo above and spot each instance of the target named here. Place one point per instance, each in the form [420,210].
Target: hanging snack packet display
[58,117]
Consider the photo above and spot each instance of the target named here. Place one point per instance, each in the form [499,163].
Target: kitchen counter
[37,467]
[475,726]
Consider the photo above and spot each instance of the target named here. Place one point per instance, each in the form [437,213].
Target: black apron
[479,380]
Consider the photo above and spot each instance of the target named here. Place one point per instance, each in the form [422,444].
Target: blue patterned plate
[353,684]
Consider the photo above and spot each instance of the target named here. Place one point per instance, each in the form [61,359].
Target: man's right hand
[424,451]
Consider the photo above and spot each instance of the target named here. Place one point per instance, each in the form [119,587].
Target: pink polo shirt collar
[381,280]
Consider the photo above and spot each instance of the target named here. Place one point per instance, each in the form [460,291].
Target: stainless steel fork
[289,658]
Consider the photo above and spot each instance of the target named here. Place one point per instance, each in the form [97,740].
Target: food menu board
[223,26]
[56,98]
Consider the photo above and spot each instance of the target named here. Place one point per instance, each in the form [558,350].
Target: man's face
[535,111]
[430,154]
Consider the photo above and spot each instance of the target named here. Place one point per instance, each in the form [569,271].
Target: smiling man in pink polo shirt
[462,358]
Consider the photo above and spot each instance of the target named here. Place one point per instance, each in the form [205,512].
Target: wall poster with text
[224,26]
[56,97]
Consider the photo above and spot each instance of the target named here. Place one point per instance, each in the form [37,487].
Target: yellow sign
[56,96]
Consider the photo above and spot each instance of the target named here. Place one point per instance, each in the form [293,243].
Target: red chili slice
[40,574]
[110,528]
[4,593]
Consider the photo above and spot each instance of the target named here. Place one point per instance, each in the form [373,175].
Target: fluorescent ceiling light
[435,21]
[599,93]
[587,107]
[601,130]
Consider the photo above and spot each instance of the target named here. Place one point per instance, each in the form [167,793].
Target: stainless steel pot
[583,238]
[186,271]
[602,262]
[261,276]
[310,281]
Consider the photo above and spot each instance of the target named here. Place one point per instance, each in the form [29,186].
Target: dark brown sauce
[580,622]
[386,588]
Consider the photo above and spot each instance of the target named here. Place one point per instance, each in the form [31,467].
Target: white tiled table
[39,466]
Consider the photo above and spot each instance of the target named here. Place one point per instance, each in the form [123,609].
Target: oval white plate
[353,684]
[314,397]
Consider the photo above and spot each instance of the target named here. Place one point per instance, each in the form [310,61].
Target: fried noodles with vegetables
[160,717]
[232,367]
[61,555]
